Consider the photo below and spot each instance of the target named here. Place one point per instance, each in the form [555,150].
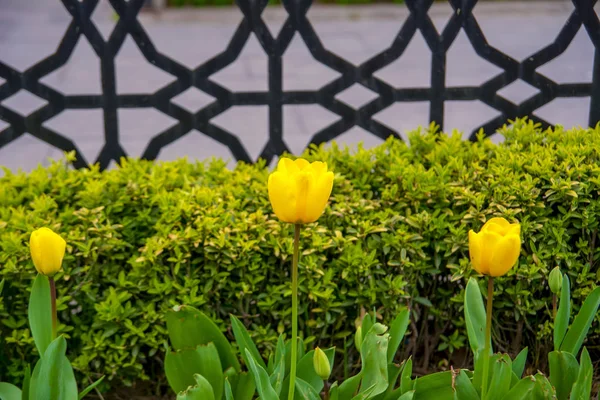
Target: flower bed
[147,237]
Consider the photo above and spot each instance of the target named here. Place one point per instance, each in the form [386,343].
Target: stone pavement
[31,29]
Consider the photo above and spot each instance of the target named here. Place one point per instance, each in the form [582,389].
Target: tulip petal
[319,167]
[505,255]
[301,163]
[282,196]
[498,225]
[489,241]
[319,195]
[305,182]
[515,229]
[286,165]
[475,251]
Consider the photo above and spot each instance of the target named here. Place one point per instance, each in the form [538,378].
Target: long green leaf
[407,396]
[40,313]
[583,385]
[9,392]
[564,369]
[501,375]
[581,324]
[397,332]
[26,383]
[56,380]
[305,391]
[406,382]
[350,386]
[201,391]
[436,386]
[374,360]
[561,321]
[88,389]
[261,379]
[188,328]
[278,375]
[228,391]
[463,387]
[182,365]
[475,317]
[244,341]
[523,390]
[518,364]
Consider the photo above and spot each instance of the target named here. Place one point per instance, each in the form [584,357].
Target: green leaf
[563,372]
[26,383]
[406,382]
[1,285]
[367,323]
[407,396]
[55,379]
[188,328]
[305,390]
[261,379]
[373,356]
[88,389]
[242,385]
[288,353]
[397,332]
[228,391]
[40,313]
[306,369]
[334,393]
[436,386]
[463,387]
[583,385]
[278,375]
[202,390]
[518,364]
[523,390]
[561,321]
[9,392]
[543,388]
[500,377]
[475,317]
[581,324]
[182,365]
[350,386]
[244,341]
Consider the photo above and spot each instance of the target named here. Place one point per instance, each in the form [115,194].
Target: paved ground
[31,30]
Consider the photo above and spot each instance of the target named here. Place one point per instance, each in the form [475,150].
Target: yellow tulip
[496,248]
[299,190]
[47,251]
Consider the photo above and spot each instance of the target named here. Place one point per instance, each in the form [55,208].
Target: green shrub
[148,236]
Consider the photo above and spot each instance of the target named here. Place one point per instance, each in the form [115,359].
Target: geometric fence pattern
[436,93]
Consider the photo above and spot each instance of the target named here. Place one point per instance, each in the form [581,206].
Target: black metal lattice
[275,98]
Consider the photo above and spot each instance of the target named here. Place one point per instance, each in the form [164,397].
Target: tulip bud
[47,251]
[358,338]
[321,364]
[555,280]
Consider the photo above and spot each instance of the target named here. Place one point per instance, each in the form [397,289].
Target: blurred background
[63,100]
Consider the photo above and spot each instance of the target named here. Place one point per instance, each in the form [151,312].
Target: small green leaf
[407,396]
[518,364]
[464,388]
[182,365]
[581,324]
[1,285]
[563,372]
[475,317]
[561,321]
[188,328]
[261,379]
[88,389]
[523,390]
[228,392]
[9,392]
[334,393]
[397,332]
[305,390]
[406,382]
[202,390]
[583,385]
[40,313]
[244,341]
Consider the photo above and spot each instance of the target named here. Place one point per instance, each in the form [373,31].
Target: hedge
[148,236]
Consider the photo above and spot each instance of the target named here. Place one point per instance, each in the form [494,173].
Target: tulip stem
[294,354]
[554,306]
[53,305]
[488,337]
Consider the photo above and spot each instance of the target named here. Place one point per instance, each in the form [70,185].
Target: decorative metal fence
[275,97]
